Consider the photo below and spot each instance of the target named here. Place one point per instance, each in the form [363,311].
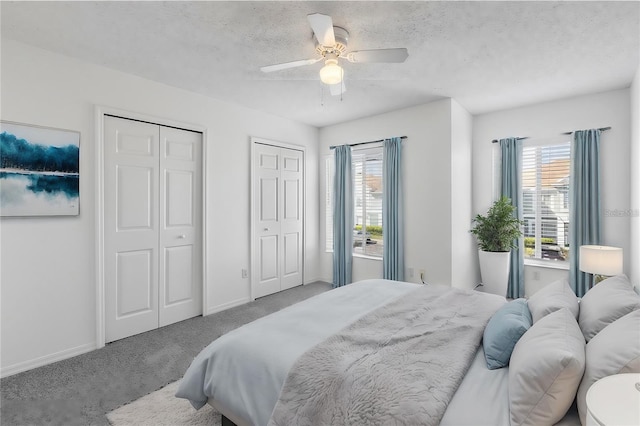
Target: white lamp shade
[331,73]
[601,260]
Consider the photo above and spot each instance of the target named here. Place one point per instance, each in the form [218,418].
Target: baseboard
[47,359]
[228,305]
[311,280]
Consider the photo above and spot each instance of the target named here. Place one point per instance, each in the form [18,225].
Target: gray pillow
[545,370]
[606,302]
[503,331]
[615,350]
[551,298]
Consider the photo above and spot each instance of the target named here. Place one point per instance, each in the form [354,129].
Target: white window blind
[545,198]
[367,197]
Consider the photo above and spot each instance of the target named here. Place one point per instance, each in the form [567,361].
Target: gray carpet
[81,390]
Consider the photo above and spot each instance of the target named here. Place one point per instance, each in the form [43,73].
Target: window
[367,200]
[545,201]
[367,196]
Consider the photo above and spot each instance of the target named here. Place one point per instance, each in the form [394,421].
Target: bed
[259,374]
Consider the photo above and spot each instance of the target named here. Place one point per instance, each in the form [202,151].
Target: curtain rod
[565,133]
[364,143]
[519,139]
[602,129]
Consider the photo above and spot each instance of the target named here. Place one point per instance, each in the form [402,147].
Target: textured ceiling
[486,55]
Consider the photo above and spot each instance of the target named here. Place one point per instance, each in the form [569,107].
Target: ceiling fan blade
[337,89]
[286,65]
[322,27]
[379,55]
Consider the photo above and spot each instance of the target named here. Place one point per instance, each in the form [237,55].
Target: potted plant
[497,234]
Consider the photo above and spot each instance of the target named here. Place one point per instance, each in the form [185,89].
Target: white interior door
[153,226]
[131,227]
[266,205]
[180,260]
[277,211]
[291,218]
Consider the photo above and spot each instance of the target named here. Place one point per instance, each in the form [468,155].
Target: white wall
[463,245]
[634,256]
[48,264]
[427,174]
[550,119]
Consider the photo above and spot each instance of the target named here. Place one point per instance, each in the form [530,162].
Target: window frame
[370,153]
[537,224]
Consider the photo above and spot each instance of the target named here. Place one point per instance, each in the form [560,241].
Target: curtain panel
[584,196]
[342,216]
[392,210]
[511,186]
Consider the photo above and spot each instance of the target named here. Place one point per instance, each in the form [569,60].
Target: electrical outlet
[410,272]
[536,275]
[245,273]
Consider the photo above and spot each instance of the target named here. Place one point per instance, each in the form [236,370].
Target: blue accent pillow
[503,331]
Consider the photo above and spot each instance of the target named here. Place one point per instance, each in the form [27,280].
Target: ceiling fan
[331,46]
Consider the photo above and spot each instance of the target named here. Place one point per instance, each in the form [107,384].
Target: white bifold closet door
[153,226]
[278,222]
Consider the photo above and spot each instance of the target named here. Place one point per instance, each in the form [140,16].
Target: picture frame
[39,170]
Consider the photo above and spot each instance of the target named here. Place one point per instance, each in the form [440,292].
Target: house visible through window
[367,200]
[545,201]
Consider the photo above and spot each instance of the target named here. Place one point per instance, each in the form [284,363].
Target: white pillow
[615,350]
[606,302]
[551,298]
[545,370]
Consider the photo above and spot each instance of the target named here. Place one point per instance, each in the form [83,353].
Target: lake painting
[39,171]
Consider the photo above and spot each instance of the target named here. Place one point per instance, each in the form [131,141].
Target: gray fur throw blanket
[398,365]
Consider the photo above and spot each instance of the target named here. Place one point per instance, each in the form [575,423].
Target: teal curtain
[342,216]
[584,203]
[511,186]
[392,210]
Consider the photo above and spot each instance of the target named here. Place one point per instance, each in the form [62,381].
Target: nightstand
[614,400]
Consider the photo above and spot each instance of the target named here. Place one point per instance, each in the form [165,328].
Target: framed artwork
[39,171]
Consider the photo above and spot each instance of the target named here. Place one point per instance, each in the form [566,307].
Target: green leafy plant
[499,229]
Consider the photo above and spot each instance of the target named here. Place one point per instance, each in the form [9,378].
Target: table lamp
[601,261]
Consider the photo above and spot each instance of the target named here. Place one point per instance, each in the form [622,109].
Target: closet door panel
[134,283]
[291,222]
[178,269]
[130,227]
[180,278]
[267,212]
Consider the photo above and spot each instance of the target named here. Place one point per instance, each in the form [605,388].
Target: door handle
[182,236]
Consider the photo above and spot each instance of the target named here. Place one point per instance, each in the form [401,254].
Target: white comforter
[243,371]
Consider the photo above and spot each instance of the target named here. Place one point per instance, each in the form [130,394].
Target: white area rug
[163,408]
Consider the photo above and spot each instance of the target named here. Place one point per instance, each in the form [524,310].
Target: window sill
[361,256]
[550,264]
[364,256]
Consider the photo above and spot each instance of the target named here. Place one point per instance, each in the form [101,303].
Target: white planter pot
[494,267]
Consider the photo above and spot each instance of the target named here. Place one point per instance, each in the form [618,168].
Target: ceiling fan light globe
[331,73]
